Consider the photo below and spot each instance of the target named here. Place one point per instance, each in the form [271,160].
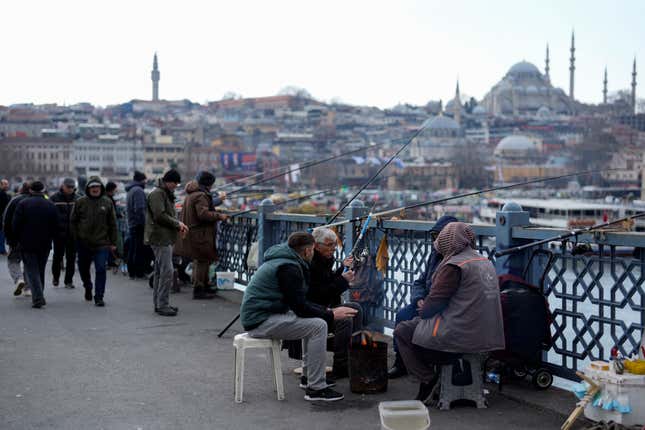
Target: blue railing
[597,298]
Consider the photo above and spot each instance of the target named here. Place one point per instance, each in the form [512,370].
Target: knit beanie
[37,187]
[205,178]
[172,176]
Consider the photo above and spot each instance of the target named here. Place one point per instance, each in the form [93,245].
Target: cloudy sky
[362,52]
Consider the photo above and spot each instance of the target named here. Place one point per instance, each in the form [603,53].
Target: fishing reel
[581,248]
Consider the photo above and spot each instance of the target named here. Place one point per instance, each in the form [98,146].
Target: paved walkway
[74,366]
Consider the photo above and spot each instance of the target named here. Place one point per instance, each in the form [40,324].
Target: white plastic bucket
[225,280]
[404,415]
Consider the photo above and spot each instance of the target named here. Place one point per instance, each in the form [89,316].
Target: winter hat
[69,182]
[205,178]
[172,176]
[139,176]
[37,187]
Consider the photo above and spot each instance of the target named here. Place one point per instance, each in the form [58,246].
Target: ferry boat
[565,213]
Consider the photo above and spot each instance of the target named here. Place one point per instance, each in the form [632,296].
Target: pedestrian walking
[161,231]
[93,223]
[199,214]
[136,213]
[35,224]
[4,202]
[64,245]
[14,258]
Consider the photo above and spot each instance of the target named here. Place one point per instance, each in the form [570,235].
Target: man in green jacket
[93,225]
[161,231]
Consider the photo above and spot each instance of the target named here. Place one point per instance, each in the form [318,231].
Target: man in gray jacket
[461,314]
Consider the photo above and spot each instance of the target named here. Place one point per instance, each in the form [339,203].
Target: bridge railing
[597,297]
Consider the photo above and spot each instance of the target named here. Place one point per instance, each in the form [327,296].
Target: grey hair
[323,234]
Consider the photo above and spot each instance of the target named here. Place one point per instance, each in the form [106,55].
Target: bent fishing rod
[472,193]
[307,165]
[564,236]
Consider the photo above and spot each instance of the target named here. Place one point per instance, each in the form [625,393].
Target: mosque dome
[515,144]
[543,112]
[479,110]
[440,122]
[523,67]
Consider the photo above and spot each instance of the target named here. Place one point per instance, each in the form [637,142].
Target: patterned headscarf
[453,239]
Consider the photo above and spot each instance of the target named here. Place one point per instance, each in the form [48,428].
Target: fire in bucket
[367,363]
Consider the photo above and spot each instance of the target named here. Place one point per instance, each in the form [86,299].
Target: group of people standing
[83,231]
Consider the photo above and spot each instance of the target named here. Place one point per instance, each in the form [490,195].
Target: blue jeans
[405,314]
[87,256]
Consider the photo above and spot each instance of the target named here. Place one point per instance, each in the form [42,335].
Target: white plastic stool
[244,341]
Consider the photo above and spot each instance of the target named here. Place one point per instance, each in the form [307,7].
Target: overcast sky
[361,52]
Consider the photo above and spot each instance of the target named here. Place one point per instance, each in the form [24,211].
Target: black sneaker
[70,286]
[88,294]
[303,382]
[324,395]
[166,312]
[427,389]
[38,304]
[174,308]
[99,302]
[55,282]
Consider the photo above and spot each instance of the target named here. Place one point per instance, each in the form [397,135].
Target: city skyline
[373,54]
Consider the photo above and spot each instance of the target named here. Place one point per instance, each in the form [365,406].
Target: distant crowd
[87,227]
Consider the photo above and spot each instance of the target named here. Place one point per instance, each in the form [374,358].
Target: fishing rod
[567,235]
[378,172]
[284,202]
[307,165]
[472,193]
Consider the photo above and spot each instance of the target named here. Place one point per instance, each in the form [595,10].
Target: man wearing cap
[198,212]
[93,224]
[136,213]
[34,224]
[161,231]
[64,245]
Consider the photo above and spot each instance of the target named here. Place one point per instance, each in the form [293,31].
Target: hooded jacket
[35,223]
[198,213]
[279,284]
[64,204]
[93,220]
[421,286]
[472,321]
[136,204]
[162,226]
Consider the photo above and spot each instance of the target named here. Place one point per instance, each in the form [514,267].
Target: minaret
[572,67]
[604,88]
[155,79]
[634,88]
[546,67]
[457,105]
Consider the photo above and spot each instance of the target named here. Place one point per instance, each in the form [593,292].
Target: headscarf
[453,239]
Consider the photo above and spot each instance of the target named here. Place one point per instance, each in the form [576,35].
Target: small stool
[473,392]
[242,342]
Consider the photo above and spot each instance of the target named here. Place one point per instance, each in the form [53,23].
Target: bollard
[511,215]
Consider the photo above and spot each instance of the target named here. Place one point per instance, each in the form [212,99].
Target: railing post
[354,210]
[265,226]
[511,215]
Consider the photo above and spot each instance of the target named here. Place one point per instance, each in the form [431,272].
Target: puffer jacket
[93,220]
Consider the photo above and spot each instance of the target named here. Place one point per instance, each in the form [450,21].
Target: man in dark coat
[93,223]
[420,289]
[14,258]
[199,214]
[35,224]
[136,212]
[325,288]
[64,245]
[4,202]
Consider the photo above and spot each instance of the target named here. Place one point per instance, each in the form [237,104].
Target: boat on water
[565,213]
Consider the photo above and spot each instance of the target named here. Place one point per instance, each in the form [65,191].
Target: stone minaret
[634,88]
[457,105]
[604,88]
[572,66]
[155,79]
[546,66]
